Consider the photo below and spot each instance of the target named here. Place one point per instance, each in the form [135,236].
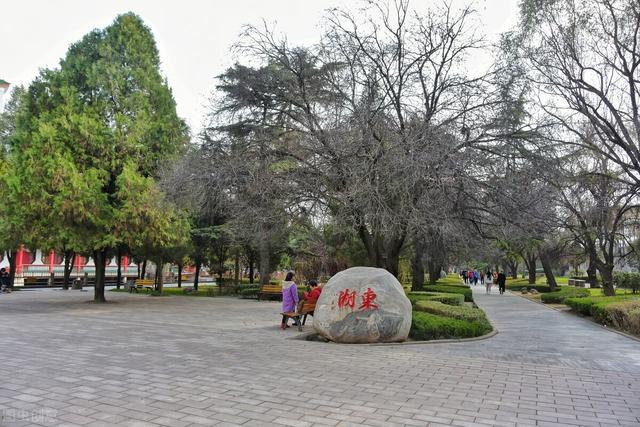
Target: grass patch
[450,280]
[565,292]
[454,311]
[448,289]
[427,326]
[450,299]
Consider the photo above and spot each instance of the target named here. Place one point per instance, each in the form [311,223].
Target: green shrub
[454,311]
[596,306]
[627,281]
[427,326]
[625,315]
[451,299]
[448,289]
[519,285]
[249,292]
[565,292]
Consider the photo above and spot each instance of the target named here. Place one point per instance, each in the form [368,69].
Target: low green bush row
[427,326]
[596,307]
[450,299]
[249,292]
[448,289]
[565,292]
[463,312]
[624,315]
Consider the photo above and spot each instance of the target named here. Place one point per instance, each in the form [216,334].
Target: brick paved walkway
[180,361]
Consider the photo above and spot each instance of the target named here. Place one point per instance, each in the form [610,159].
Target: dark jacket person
[502,281]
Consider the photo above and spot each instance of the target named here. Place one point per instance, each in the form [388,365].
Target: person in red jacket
[314,293]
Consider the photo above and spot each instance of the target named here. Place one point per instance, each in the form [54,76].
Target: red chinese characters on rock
[367,300]
[347,298]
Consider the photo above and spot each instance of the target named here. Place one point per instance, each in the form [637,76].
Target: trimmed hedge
[565,292]
[519,286]
[624,315]
[427,326]
[450,299]
[463,312]
[449,289]
[251,292]
[596,306]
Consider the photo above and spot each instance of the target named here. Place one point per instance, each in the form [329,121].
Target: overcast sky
[193,36]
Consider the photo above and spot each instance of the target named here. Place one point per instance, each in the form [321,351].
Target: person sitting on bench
[314,293]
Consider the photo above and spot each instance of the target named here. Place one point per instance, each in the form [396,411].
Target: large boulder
[363,305]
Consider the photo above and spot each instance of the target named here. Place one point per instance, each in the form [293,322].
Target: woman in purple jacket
[289,298]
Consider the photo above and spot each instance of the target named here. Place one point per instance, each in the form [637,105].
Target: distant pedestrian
[502,282]
[463,273]
[481,277]
[470,277]
[5,285]
[476,277]
[488,282]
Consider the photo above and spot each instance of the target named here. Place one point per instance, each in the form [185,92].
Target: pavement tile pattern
[185,361]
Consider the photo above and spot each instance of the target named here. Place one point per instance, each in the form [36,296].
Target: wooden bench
[147,284]
[304,309]
[269,291]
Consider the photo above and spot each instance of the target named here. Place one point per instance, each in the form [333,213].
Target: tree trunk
[591,272]
[11,255]
[69,260]
[513,269]
[251,272]
[159,276]
[606,271]
[119,273]
[265,260]
[417,266]
[99,259]
[155,278]
[196,279]
[237,268]
[143,273]
[548,271]
[434,272]
[180,265]
[392,263]
[530,262]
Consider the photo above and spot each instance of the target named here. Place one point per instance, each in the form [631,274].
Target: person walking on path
[502,282]
[476,276]
[289,299]
[481,277]
[488,281]
[465,278]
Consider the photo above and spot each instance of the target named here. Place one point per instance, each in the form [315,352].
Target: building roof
[3,82]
